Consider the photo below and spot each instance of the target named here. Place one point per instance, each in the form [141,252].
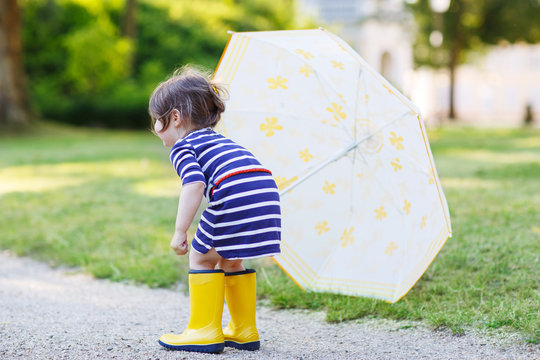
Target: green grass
[106,201]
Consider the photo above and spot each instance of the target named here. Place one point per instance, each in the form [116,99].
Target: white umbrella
[363,210]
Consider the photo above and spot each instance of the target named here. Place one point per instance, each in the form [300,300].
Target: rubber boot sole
[210,348]
[251,346]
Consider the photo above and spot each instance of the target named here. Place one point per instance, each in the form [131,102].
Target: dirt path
[51,314]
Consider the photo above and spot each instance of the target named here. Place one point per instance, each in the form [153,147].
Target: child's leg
[206,292]
[241,298]
[230,266]
[208,261]
[240,294]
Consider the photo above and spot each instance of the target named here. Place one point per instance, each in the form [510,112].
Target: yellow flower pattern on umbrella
[365,159]
[396,141]
[270,125]
[347,238]
[337,111]
[431,177]
[322,226]
[305,155]
[306,70]
[329,188]
[380,213]
[337,65]
[407,207]
[396,164]
[389,90]
[391,248]
[282,182]
[276,82]
[307,55]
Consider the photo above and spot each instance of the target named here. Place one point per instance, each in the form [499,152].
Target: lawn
[105,201]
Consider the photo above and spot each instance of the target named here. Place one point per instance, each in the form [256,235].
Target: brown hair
[190,91]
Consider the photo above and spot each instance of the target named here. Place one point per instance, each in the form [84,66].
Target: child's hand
[179,243]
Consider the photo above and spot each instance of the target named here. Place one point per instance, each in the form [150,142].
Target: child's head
[190,92]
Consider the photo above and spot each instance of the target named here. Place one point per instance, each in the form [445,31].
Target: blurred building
[381,31]
[492,89]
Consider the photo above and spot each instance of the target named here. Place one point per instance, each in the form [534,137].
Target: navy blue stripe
[247,271]
[250,226]
[189,150]
[222,191]
[250,199]
[248,239]
[206,271]
[239,215]
[197,146]
[195,245]
[263,250]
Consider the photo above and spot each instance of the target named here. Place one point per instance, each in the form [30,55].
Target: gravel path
[52,314]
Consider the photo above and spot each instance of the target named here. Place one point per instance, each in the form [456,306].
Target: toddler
[242,219]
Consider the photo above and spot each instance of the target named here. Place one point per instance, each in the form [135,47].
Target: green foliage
[472,24]
[82,70]
[98,57]
[106,201]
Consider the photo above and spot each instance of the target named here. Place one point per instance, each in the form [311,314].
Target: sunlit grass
[106,201]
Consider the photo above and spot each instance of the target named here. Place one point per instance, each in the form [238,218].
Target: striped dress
[243,218]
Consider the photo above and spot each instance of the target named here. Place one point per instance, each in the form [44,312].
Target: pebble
[54,314]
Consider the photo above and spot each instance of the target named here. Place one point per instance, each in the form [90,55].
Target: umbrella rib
[338,155]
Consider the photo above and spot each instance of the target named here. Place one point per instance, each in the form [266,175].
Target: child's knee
[208,261]
[230,265]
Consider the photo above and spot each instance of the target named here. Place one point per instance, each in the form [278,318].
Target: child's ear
[176,118]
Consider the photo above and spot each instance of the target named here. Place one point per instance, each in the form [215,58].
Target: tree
[468,25]
[14,104]
[96,62]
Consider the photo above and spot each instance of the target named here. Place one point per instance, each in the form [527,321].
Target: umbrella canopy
[363,209]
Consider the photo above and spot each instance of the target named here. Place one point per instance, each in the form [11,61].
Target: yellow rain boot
[203,333]
[240,294]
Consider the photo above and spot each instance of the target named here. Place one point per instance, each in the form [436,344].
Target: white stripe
[254,257]
[245,221]
[209,162]
[200,242]
[207,142]
[192,133]
[173,160]
[189,139]
[233,160]
[243,181]
[177,163]
[206,220]
[240,168]
[243,194]
[251,232]
[187,167]
[212,148]
[243,207]
[247,246]
[205,233]
[197,172]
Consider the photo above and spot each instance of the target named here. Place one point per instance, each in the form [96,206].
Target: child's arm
[188,204]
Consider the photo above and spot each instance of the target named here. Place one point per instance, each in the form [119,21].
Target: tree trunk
[14,105]
[452,71]
[129,28]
